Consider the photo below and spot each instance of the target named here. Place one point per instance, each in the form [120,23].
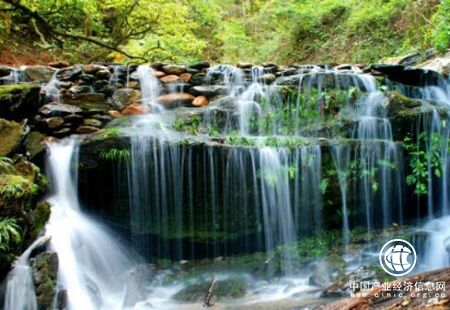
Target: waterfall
[149,87]
[93,266]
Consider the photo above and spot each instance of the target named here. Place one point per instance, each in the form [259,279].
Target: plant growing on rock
[6,164]
[115,154]
[10,233]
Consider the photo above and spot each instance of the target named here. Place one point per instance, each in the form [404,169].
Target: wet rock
[200,101]
[38,219]
[124,97]
[289,80]
[158,65]
[209,91]
[244,65]
[438,64]
[173,69]
[5,70]
[73,119]
[69,74]
[137,280]
[10,136]
[19,101]
[103,74]
[341,287]
[38,73]
[115,114]
[59,109]
[230,288]
[62,300]
[45,270]
[102,117]
[59,64]
[92,68]
[200,65]
[86,129]
[87,101]
[170,79]
[54,122]
[268,78]
[158,74]
[64,132]
[408,76]
[34,144]
[136,109]
[186,77]
[93,122]
[78,89]
[174,99]
[398,103]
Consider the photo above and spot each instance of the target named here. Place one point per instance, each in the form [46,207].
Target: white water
[149,87]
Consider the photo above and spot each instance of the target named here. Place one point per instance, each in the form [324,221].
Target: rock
[45,271]
[78,89]
[38,219]
[199,79]
[230,288]
[19,101]
[103,74]
[10,136]
[87,101]
[268,78]
[38,73]
[133,84]
[200,65]
[170,79]
[73,119]
[102,117]
[59,64]
[92,68]
[64,132]
[54,122]
[200,101]
[209,91]
[124,97]
[438,64]
[69,73]
[398,103]
[136,109]
[175,99]
[174,69]
[115,114]
[158,65]
[341,287]
[34,144]
[86,129]
[244,65]
[409,76]
[53,109]
[93,122]
[5,70]
[137,279]
[186,77]
[158,74]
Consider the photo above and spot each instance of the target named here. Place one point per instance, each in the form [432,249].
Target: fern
[10,233]
[116,154]
[6,164]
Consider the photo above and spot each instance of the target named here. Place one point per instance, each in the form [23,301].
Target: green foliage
[115,154]
[188,125]
[10,233]
[424,156]
[6,164]
[111,133]
[17,187]
[442,32]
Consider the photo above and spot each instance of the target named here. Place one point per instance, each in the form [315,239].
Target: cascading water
[149,87]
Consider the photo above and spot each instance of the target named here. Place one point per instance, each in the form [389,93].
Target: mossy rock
[88,102]
[230,288]
[45,271]
[10,136]
[19,101]
[38,219]
[399,103]
[34,144]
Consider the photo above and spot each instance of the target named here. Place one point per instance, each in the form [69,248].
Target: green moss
[10,136]
[16,187]
[38,219]
[34,143]
[223,289]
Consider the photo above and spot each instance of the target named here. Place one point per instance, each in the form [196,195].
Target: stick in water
[209,293]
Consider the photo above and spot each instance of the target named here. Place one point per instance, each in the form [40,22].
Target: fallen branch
[207,303]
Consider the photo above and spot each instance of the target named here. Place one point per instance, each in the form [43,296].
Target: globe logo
[398,257]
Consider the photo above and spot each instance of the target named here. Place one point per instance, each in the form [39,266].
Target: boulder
[87,101]
[200,65]
[54,122]
[438,64]
[34,144]
[103,74]
[59,64]
[73,119]
[10,136]
[158,74]
[92,68]
[54,109]
[124,97]
[174,69]
[38,73]
[86,129]
[78,89]
[209,91]
[45,270]
[268,78]
[69,73]
[63,132]
[200,101]
[136,109]
[244,65]
[170,79]
[408,76]
[5,70]
[322,273]
[175,99]
[114,114]
[93,122]
[19,101]
[186,77]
